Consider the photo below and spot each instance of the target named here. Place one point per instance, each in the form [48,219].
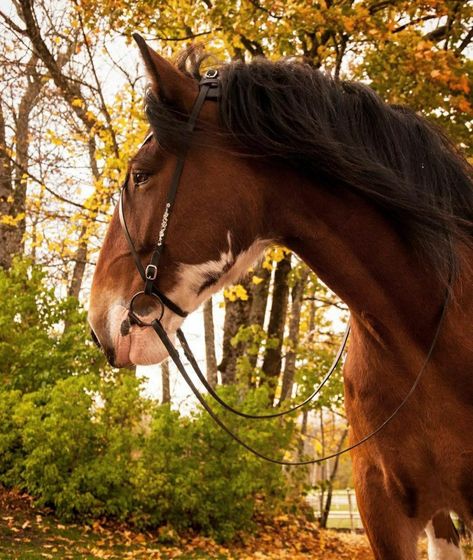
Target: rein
[209,90]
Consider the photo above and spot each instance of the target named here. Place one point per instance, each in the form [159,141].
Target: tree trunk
[323,465]
[304,426]
[13,178]
[209,332]
[80,257]
[272,359]
[80,261]
[165,378]
[236,314]
[297,295]
[6,191]
[333,473]
[259,301]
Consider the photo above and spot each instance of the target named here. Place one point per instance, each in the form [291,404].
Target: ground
[27,533]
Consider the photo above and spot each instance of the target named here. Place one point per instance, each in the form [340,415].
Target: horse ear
[167,82]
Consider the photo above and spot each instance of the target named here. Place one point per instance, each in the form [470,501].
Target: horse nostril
[110,355]
[125,326]
[95,339]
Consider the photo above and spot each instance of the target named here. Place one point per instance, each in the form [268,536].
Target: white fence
[344,512]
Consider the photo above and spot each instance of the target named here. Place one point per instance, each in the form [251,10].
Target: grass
[46,538]
[27,533]
[339,517]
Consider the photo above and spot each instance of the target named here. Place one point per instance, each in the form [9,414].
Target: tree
[272,359]
[297,296]
[14,179]
[70,126]
[35,349]
[209,334]
[165,383]
[259,301]
[237,309]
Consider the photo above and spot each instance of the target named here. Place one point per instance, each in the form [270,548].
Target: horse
[376,200]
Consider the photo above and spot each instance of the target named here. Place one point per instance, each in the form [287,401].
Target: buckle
[151,272]
[212,73]
[211,80]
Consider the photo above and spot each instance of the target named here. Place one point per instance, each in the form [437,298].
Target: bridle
[209,89]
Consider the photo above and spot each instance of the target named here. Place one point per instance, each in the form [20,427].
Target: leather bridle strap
[195,366]
[136,257]
[208,90]
[151,271]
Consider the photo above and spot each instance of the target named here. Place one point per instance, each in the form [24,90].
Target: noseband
[209,89]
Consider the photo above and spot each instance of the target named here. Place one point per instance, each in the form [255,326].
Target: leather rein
[209,89]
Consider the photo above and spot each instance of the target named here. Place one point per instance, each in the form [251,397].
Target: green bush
[79,445]
[11,445]
[83,439]
[35,348]
[110,452]
[192,474]
[60,441]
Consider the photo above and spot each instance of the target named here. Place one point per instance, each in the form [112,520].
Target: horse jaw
[141,345]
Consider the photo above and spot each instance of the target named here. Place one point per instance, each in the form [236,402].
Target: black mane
[342,133]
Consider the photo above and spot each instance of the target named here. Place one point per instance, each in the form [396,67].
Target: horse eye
[140,177]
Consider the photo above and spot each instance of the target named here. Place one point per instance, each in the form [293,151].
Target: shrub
[193,475]
[11,448]
[36,349]
[104,450]
[83,439]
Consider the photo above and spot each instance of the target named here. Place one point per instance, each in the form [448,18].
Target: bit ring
[135,317]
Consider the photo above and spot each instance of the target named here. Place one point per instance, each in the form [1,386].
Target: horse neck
[356,251]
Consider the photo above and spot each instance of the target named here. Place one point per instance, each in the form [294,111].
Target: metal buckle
[151,272]
[210,74]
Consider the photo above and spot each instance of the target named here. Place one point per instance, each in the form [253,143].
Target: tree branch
[327,302]
[466,41]
[253,47]
[258,6]
[187,37]
[413,22]
[380,6]
[71,92]
[437,34]
[105,111]
[12,25]
[38,181]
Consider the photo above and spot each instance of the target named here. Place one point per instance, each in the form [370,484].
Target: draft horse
[377,201]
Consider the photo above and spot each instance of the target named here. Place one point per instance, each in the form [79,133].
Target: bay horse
[377,201]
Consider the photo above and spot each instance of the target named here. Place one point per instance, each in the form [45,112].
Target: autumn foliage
[84,439]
